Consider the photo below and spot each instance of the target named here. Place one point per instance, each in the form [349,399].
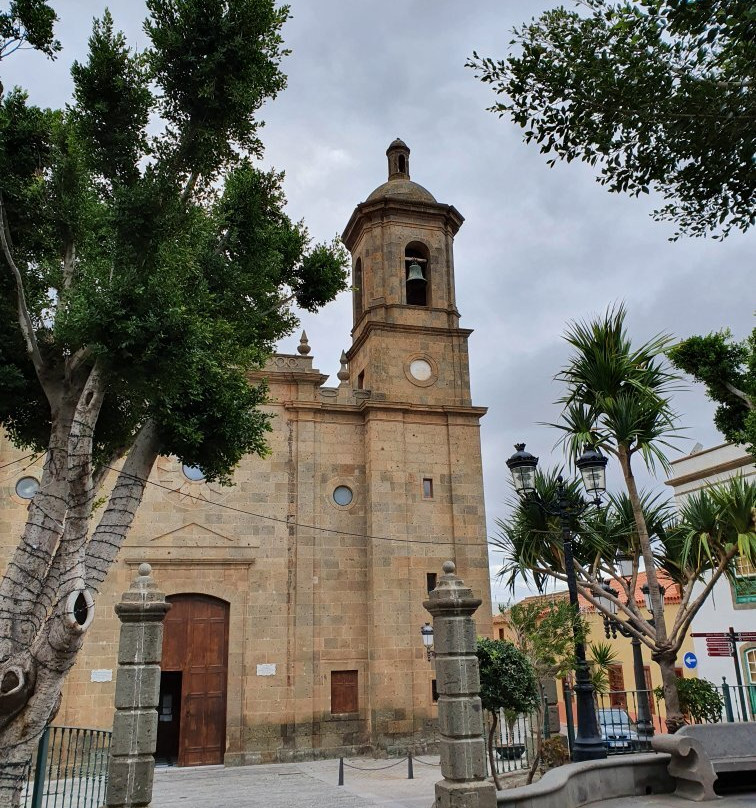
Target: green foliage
[555,752]
[601,656]
[699,699]
[617,395]
[545,633]
[28,21]
[659,94]
[507,679]
[728,370]
[718,522]
[165,255]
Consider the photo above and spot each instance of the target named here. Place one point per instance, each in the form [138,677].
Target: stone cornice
[394,406]
[710,471]
[380,325]
[382,208]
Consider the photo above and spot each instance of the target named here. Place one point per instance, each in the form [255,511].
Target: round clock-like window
[420,370]
[342,495]
[193,473]
[27,487]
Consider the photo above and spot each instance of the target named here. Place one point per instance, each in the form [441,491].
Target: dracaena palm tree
[617,398]
[692,550]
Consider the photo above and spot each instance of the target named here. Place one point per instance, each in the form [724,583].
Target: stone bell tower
[407,343]
[421,438]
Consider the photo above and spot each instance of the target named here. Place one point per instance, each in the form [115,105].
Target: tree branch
[124,500]
[69,264]
[741,395]
[698,602]
[24,318]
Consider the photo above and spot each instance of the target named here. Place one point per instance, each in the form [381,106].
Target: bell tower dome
[406,340]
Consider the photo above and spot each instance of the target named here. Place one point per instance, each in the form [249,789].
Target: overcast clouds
[539,246]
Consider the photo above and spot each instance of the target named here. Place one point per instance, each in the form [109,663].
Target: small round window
[27,487]
[342,495]
[193,473]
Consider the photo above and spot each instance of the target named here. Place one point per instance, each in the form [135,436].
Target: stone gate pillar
[131,765]
[460,713]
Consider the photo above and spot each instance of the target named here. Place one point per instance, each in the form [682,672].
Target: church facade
[297,592]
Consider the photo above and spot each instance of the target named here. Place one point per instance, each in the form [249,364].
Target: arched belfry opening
[357,289]
[416,274]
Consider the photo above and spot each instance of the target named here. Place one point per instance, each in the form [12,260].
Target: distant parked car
[617,729]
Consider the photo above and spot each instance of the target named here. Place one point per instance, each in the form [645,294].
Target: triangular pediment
[193,535]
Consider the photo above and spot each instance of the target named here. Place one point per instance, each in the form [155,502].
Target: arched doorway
[193,681]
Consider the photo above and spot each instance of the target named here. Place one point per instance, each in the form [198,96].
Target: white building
[730,604]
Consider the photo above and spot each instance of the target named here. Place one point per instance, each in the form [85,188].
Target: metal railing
[739,702]
[515,741]
[69,769]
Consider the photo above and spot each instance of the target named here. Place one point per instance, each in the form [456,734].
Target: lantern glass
[427,634]
[524,479]
[592,466]
[608,605]
[625,564]
[647,596]
[523,466]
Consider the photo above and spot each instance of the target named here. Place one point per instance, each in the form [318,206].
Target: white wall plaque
[101,675]
[268,669]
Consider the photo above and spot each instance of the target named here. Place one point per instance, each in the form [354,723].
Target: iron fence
[69,769]
[626,719]
[515,741]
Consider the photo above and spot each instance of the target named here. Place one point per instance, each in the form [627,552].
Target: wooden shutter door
[344,693]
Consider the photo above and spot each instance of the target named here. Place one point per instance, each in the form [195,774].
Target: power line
[285,521]
[19,460]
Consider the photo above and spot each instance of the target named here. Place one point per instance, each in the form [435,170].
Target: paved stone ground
[315,785]
[304,785]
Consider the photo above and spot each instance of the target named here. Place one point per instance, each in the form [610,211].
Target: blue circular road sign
[690,660]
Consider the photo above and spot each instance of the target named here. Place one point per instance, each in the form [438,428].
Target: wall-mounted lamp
[427,634]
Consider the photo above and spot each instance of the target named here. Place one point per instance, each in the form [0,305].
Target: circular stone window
[193,473]
[27,487]
[342,495]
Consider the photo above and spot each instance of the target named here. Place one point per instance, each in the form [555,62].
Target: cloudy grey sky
[539,246]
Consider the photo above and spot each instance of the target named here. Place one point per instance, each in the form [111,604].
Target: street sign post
[724,643]
[690,660]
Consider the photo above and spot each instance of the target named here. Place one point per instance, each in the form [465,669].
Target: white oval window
[342,495]
[193,473]
[420,370]
[27,487]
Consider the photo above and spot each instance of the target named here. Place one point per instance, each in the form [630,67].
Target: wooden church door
[195,645]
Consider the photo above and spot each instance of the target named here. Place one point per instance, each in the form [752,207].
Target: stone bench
[701,752]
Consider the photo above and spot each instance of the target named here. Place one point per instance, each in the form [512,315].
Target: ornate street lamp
[625,564]
[427,633]
[592,465]
[612,627]
[646,590]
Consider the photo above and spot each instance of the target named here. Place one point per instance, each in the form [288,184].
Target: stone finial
[343,374]
[304,345]
[451,587]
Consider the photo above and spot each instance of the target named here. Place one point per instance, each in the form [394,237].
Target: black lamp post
[592,465]
[644,724]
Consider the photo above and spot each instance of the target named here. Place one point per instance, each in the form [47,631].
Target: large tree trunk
[664,654]
[56,567]
[666,661]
